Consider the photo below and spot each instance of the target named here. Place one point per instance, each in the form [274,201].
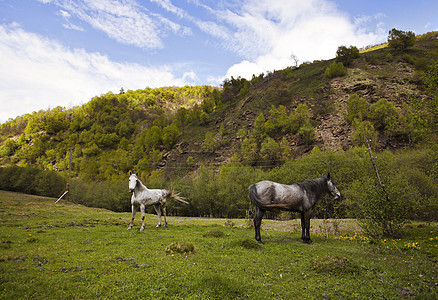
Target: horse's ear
[328,176]
[130,172]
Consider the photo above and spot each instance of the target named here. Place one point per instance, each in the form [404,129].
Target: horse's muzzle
[131,190]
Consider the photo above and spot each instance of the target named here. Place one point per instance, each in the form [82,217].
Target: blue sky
[64,52]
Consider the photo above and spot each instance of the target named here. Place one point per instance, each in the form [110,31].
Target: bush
[347,55]
[306,133]
[386,211]
[384,115]
[336,69]
[33,181]
[400,40]
[180,247]
[356,108]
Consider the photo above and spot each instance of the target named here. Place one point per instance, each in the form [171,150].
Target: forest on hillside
[211,143]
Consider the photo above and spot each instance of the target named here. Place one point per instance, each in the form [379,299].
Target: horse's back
[268,194]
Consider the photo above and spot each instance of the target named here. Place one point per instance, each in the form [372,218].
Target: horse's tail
[177,197]
[253,196]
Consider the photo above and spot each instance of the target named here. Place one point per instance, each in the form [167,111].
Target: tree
[384,114]
[270,150]
[346,55]
[209,143]
[400,40]
[248,150]
[295,59]
[356,108]
[171,134]
[364,130]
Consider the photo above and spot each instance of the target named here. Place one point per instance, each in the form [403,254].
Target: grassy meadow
[68,251]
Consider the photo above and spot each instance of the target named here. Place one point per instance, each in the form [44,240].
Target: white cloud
[125,21]
[266,33]
[38,73]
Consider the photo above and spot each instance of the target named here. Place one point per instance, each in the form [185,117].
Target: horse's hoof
[260,242]
[142,229]
[309,242]
[158,226]
[129,228]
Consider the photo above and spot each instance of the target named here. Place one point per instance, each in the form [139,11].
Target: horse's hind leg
[158,211]
[163,208]
[259,213]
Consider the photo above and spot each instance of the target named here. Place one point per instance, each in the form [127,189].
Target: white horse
[143,196]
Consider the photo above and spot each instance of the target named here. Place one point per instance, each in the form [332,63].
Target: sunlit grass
[70,251]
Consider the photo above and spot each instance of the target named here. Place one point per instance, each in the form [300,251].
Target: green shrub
[400,40]
[384,115]
[336,69]
[356,108]
[347,55]
[31,180]
[209,143]
[386,211]
[307,133]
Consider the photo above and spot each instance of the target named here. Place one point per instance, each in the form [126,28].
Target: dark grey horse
[299,197]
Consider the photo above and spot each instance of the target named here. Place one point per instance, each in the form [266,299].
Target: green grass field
[68,251]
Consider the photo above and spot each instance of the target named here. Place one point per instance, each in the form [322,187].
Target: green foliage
[8,148]
[356,108]
[111,195]
[306,133]
[430,77]
[279,122]
[270,150]
[386,211]
[249,150]
[31,181]
[336,69]
[384,114]
[400,40]
[209,143]
[346,55]
[364,130]
[171,134]
[234,88]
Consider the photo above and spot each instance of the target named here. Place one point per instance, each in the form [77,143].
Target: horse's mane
[314,186]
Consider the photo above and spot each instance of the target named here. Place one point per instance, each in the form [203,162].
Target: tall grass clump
[218,286]
[180,247]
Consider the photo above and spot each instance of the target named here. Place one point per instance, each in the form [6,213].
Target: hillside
[110,124]
[210,143]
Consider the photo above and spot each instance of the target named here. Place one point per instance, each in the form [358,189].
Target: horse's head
[133,179]
[332,187]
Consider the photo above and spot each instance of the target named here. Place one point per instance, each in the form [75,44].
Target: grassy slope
[69,251]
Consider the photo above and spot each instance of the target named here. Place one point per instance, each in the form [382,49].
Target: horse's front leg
[158,211]
[133,216]
[142,207]
[303,227]
[307,216]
